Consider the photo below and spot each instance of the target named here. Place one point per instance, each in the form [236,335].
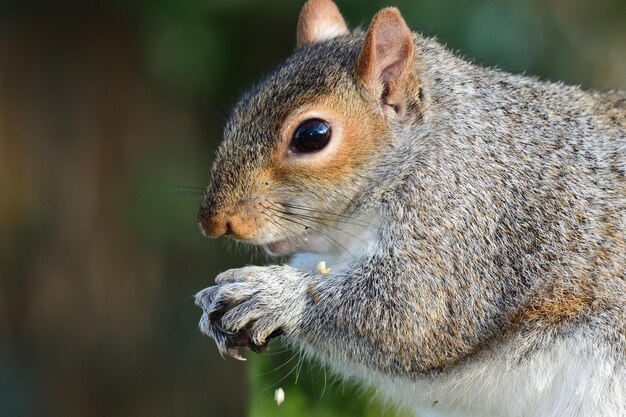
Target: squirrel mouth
[281,247]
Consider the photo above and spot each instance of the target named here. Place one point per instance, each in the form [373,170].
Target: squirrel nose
[215,225]
[239,222]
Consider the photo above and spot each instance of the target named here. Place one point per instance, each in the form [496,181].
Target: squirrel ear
[319,20]
[385,62]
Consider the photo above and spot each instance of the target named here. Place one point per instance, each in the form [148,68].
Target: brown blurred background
[108,111]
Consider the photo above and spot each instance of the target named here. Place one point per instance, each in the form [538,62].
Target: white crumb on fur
[321,268]
[279,396]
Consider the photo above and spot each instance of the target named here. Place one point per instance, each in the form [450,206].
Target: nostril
[229,228]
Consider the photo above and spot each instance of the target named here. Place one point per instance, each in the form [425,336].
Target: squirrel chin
[291,246]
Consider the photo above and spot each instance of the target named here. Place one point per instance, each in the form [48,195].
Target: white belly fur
[565,380]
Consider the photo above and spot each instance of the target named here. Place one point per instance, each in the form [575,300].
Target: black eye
[311,136]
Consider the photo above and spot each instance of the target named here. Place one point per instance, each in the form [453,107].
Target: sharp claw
[234,353]
[221,344]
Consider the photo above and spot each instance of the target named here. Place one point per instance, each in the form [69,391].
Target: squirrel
[473,222]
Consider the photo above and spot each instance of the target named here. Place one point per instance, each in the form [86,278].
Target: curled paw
[248,307]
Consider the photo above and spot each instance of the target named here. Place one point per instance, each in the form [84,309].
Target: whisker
[299,367]
[320,211]
[279,367]
[282,379]
[291,233]
[326,218]
[323,389]
[317,218]
[189,187]
[277,352]
[184,193]
[314,219]
[328,238]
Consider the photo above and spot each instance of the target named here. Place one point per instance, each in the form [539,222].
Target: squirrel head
[299,147]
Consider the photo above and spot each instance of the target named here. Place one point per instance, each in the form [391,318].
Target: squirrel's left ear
[319,20]
[385,63]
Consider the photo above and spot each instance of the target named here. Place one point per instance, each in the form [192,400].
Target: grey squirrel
[473,222]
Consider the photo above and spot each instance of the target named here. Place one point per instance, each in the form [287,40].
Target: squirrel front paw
[249,306]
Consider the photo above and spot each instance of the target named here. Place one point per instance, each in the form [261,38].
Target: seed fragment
[321,268]
[279,396]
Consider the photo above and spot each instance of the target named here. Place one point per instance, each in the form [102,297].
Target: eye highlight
[311,136]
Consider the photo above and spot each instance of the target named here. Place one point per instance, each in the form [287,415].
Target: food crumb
[279,396]
[321,267]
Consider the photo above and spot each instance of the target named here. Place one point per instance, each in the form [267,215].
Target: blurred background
[108,112]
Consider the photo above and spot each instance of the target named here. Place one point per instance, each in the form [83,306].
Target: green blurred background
[107,111]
